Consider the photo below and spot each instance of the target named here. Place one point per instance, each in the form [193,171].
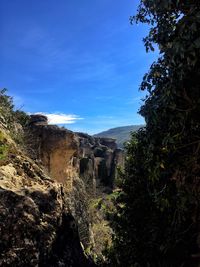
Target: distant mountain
[121,134]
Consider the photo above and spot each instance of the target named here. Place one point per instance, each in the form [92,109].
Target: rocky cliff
[84,165]
[36,225]
[45,193]
[66,154]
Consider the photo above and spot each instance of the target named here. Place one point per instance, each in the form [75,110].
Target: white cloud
[60,118]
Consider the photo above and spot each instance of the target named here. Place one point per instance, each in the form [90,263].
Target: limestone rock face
[44,197]
[36,226]
[67,155]
[82,163]
[56,149]
[99,158]
[109,142]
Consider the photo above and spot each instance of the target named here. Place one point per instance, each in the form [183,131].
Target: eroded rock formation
[36,225]
[85,165]
[44,197]
[66,154]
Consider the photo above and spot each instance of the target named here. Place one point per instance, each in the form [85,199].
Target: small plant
[3,148]
[3,151]
[6,107]
[22,117]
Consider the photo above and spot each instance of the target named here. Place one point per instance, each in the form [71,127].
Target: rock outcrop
[85,165]
[44,197]
[66,154]
[36,225]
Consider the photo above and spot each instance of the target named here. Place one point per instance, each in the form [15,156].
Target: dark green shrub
[157,218]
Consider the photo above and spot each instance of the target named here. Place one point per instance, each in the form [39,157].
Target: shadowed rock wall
[67,155]
[83,164]
[36,225]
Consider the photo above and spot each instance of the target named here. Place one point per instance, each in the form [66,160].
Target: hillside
[54,187]
[121,134]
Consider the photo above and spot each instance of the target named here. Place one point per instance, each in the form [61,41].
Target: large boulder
[38,119]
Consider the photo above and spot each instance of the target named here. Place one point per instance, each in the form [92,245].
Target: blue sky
[78,60]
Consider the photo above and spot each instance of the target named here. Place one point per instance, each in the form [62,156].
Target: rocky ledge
[36,226]
[84,165]
[45,192]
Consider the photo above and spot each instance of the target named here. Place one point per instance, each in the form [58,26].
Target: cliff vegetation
[50,180]
[62,200]
[157,217]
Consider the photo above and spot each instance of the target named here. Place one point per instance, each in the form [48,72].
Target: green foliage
[13,120]
[7,148]
[6,102]
[6,107]
[156,223]
[101,210]
[3,148]
[22,117]
[7,112]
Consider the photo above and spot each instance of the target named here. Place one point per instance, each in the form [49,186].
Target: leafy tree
[156,223]
[6,107]
[8,113]
[22,117]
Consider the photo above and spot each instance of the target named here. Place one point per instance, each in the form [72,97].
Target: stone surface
[38,119]
[85,165]
[36,226]
[67,155]
[56,148]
